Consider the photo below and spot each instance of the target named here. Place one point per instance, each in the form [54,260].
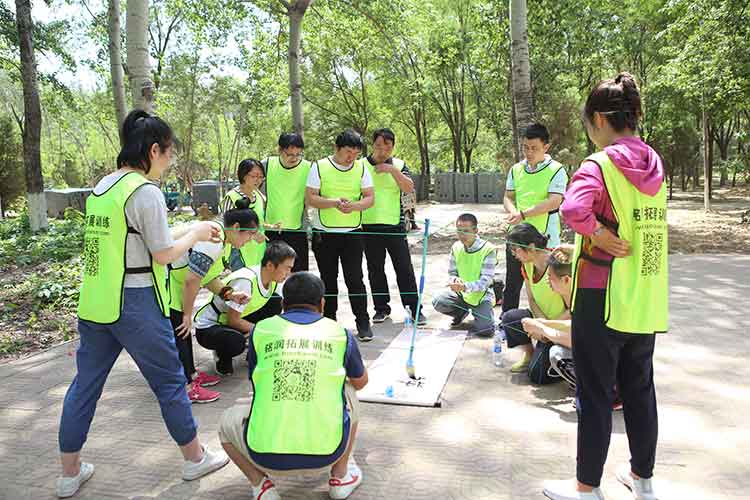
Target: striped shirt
[487,274]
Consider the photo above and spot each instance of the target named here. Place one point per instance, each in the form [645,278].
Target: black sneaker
[380,316]
[422,321]
[457,320]
[364,333]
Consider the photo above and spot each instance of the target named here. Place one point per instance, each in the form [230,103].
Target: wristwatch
[598,231]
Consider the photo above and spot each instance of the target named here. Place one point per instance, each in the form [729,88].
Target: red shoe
[205,380]
[198,394]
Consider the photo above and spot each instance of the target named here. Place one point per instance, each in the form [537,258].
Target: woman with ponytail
[529,246]
[124,301]
[201,267]
[616,204]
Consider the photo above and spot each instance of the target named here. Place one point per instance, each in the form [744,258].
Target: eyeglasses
[294,156]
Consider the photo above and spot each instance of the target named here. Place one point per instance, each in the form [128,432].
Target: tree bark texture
[139,66]
[523,104]
[32,129]
[296,11]
[115,62]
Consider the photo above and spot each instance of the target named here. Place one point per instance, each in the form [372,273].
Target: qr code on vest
[294,379]
[652,250]
[91,257]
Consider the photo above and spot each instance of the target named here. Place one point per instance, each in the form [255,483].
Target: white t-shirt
[208,317]
[313,182]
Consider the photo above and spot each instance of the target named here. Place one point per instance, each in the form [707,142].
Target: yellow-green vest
[177,275]
[104,254]
[550,303]
[285,190]
[532,189]
[257,299]
[298,385]
[637,297]
[252,251]
[335,183]
[469,267]
[387,206]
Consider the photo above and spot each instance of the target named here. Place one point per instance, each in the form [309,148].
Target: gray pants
[453,305]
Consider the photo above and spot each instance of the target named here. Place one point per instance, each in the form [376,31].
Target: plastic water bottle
[389,391]
[497,348]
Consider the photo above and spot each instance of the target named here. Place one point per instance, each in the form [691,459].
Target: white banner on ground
[435,353]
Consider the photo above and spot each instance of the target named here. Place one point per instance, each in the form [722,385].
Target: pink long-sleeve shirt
[586,198]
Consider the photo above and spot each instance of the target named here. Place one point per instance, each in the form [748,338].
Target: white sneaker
[266,490]
[211,462]
[340,488]
[640,488]
[566,490]
[68,486]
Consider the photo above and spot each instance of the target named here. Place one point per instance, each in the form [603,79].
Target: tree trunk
[32,128]
[115,62]
[706,161]
[520,69]
[296,12]
[139,66]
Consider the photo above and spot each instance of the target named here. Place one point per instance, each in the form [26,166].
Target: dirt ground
[25,329]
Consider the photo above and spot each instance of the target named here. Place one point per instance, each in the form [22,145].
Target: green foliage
[62,242]
[12,184]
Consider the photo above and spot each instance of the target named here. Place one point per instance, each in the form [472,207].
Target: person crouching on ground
[305,370]
[222,325]
[472,273]
[529,246]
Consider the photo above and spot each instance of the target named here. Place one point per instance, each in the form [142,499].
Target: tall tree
[115,61]
[295,10]
[32,122]
[139,66]
[523,103]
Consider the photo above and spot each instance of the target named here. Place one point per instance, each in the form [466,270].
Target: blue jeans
[147,336]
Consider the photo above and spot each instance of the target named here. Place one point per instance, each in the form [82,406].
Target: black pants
[329,249]
[397,247]
[604,357]
[513,281]
[514,332]
[184,346]
[296,240]
[226,341]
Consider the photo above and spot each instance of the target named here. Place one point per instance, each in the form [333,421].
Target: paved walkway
[495,437]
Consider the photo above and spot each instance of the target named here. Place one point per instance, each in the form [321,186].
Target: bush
[61,242]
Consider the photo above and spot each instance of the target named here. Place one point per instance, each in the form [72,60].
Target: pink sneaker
[205,380]
[198,394]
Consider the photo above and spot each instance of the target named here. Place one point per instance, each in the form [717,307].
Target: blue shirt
[354,367]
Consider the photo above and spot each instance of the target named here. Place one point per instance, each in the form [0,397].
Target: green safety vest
[285,188]
[104,254]
[551,303]
[335,183]
[387,206]
[469,267]
[252,251]
[531,190]
[257,299]
[177,275]
[637,297]
[298,387]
